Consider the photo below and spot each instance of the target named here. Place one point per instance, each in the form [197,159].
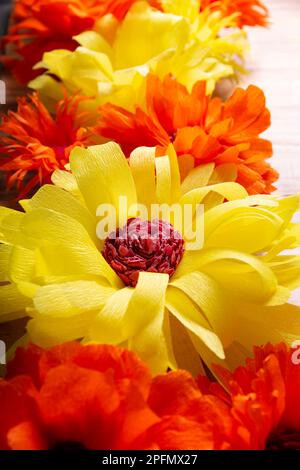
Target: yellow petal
[197,177]
[186,356]
[22,264]
[241,274]
[175,174]
[230,191]
[237,228]
[156,33]
[223,173]
[261,325]
[103,175]
[191,318]
[5,252]
[108,325]
[58,200]
[65,245]
[12,303]
[163,180]
[207,295]
[48,332]
[95,42]
[71,299]
[10,233]
[65,180]
[142,164]
[144,320]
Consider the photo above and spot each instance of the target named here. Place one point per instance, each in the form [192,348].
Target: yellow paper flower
[228,292]
[112,67]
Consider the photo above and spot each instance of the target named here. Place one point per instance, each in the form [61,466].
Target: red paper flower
[265,398]
[251,12]
[103,397]
[35,143]
[202,129]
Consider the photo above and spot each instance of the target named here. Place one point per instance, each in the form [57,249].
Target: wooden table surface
[275,67]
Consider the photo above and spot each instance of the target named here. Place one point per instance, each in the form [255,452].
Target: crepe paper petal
[142,164]
[51,331]
[208,296]
[92,40]
[175,174]
[238,234]
[10,233]
[71,298]
[134,322]
[146,331]
[180,306]
[102,179]
[58,200]
[21,264]
[12,303]
[287,270]
[108,326]
[198,177]
[163,177]
[65,180]
[54,232]
[5,253]
[285,327]
[168,340]
[230,191]
[258,281]
[184,353]
[168,32]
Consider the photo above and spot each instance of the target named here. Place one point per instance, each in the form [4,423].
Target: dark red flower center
[143,246]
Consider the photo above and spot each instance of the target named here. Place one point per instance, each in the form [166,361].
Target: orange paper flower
[35,143]
[202,129]
[265,397]
[251,12]
[103,397]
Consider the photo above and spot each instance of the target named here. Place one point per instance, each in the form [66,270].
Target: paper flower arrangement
[152,267]
[203,130]
[76,284]
[113,66]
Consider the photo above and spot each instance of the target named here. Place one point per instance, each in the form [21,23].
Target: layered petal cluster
[34,142]
[75,397]
[101,397]
[230,289]
[39,26]
[265,397]
[250,12]
[180,40]
[203,130]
